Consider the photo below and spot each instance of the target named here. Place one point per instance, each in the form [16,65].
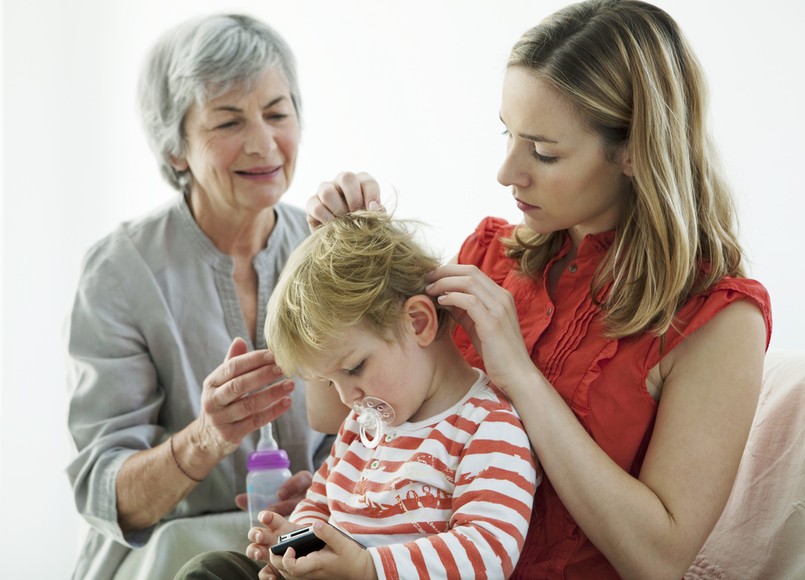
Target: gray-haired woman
[162,428]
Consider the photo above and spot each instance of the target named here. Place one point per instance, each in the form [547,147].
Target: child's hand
[342,557]
[263,538]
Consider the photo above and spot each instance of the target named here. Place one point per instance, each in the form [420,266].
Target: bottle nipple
[374,417]
[267,441]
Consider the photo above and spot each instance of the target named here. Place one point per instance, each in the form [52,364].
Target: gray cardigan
[154,314]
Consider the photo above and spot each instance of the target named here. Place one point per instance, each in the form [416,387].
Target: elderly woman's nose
[260,139]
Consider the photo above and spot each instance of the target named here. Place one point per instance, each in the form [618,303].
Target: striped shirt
[446,497]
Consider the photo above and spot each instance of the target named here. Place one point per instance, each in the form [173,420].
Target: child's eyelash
[356,370]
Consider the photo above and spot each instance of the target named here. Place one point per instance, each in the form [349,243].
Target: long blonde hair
[627,69]
[355,270]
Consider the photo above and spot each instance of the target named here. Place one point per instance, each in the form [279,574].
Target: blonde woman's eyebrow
[534,138]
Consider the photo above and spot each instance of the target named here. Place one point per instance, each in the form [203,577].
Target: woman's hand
[235,400]
[347,192]
[290,493]
[488,315]
[342,558]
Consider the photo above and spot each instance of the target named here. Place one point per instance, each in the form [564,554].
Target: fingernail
[373,205]
[288,387]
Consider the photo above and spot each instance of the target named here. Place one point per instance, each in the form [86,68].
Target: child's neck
[452,379]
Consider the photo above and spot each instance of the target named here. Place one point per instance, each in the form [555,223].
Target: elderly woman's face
[241,147]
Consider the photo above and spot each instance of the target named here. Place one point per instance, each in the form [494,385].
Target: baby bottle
[268,470]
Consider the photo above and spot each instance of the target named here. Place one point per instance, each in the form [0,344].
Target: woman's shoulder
[124,238]
[295,217]
[484,247]
[702,307]
[728,290]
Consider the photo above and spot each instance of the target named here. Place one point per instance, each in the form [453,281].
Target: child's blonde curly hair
[356,269]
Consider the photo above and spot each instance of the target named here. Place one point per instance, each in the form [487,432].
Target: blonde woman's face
[556,167]
[241,147]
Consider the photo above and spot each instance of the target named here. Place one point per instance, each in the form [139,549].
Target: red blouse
[603,380]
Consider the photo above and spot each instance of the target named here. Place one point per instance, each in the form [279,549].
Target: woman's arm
[650,526]
[151,482]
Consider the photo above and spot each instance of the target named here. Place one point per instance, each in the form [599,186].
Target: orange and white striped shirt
[446,497]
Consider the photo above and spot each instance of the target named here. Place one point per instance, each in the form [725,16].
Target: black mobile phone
[303,541]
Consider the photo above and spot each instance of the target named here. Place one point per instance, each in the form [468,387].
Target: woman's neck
[241,234]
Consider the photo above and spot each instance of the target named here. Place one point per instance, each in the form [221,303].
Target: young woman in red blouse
[617,316]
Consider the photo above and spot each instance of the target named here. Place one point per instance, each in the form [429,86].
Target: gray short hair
[200,60]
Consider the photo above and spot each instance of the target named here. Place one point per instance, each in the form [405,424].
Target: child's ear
[421,315]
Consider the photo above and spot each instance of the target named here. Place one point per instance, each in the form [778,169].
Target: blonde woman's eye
[544,158]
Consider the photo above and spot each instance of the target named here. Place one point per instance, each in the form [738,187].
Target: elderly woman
[162,427]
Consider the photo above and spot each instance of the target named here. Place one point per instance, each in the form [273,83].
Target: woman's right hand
[234,401]
[347,192]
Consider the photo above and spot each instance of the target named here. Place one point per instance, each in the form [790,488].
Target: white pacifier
[374,416]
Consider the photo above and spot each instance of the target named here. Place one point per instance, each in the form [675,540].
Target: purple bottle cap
[271,459]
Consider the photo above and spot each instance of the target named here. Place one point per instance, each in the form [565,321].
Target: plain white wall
[407,90]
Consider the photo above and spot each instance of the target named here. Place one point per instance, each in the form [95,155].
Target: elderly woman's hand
[347,192]
[290,493]
[235,400]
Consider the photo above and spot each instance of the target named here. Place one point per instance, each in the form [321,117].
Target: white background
[408,90]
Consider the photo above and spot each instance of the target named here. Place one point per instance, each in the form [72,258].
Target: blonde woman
[616,316]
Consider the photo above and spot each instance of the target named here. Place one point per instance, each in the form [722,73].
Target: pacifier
[374,416]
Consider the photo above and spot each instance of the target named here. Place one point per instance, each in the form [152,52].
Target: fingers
[468,281]
[237,348]
[292,492]
[298,484]
[242,501]
[242,375]
[347,192]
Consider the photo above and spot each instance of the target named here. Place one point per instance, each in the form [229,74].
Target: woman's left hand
[487,312]
[290,493]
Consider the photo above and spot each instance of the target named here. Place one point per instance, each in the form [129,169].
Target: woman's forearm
[152,482]
[619,514]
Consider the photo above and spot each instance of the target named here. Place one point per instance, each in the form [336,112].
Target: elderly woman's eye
[226,125]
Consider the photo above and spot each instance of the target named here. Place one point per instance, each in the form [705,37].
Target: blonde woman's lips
[523,206]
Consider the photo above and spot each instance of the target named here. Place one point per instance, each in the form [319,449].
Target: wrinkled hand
[231,407]
[290,493]
[341,558]
[347,192]
[487,312]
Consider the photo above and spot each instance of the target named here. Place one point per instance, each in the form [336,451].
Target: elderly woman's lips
[260,173]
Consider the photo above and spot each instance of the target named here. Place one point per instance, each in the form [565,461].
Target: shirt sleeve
[495,485]
[115,399]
